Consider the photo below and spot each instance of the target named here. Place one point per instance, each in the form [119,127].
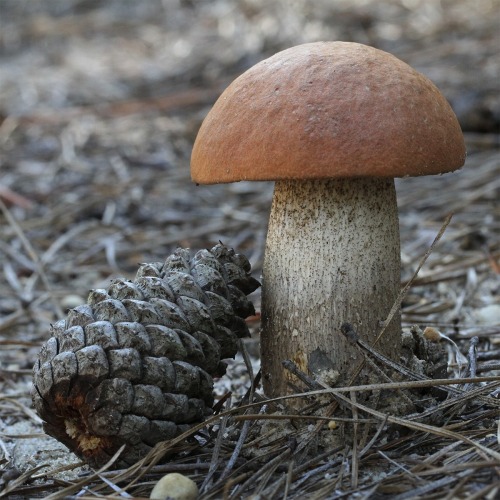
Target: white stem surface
[332,256]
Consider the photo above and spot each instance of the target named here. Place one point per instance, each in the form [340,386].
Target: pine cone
[134,365]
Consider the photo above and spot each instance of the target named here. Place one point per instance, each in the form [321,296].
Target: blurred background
[100,103]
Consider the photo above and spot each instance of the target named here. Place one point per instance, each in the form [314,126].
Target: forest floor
[100,103]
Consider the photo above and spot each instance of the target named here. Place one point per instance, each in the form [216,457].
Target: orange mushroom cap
[328,110]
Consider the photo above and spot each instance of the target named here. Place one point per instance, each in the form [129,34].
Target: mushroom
[333,123]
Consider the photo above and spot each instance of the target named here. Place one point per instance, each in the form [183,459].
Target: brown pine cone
[134,365]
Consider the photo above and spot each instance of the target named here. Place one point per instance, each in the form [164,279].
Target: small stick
[472,357]
[374,438]
[354,450]
[236,452]
[488,366]
[488,355]
[292,368]
[215,460]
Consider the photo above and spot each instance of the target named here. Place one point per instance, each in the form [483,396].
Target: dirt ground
[100,103]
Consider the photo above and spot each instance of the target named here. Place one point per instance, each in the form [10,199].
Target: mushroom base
[332,256]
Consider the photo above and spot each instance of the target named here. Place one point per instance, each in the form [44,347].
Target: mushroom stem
[332,256]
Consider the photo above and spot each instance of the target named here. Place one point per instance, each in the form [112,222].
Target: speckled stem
[332,256]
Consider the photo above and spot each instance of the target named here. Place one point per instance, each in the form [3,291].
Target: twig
[294,370]
[236,452]
[472,358]
[289,479]
[488,366]
[366,449]
[354,448]
[413,384]
[273,416]
[398,466]
[494,354]
[214,462]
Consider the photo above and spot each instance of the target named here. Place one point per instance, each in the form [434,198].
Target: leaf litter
[100,106]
